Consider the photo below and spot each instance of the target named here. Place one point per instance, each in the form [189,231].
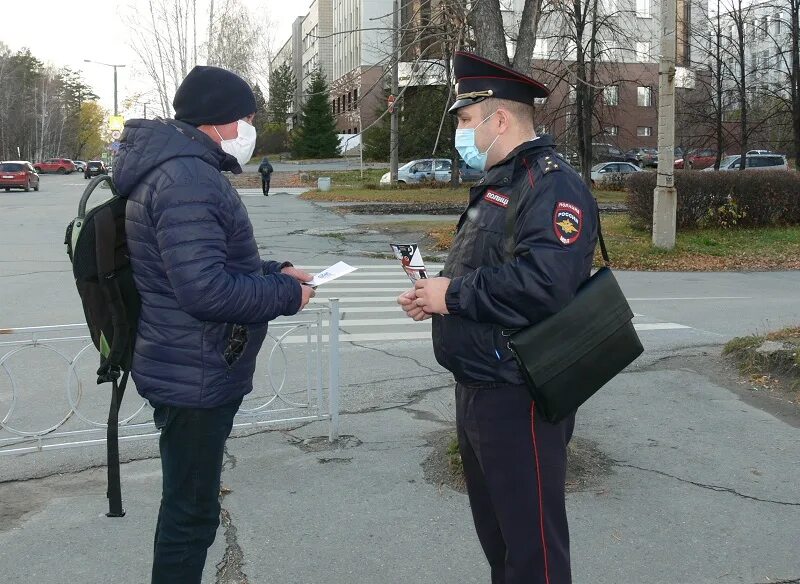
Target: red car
[59,165]
[18,174]
[698,159]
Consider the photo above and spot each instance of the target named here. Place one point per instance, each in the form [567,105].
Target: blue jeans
[192,446]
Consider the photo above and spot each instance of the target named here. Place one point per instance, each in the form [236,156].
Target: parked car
[80,165]
[59,165]
[751,152]
[18,174]
[697,159]
[426,169]
[642,157]
[755,162]
[469,174]
[613,172]
[94,168]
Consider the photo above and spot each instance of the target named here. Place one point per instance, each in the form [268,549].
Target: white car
[426,169]
[612,172]
[754,162]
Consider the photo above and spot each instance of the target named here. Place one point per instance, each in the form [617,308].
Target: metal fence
[49,398]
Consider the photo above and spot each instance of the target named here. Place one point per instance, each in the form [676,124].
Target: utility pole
[665,197]
[395,128]
[116,112]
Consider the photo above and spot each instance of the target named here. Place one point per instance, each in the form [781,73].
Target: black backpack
[98,250]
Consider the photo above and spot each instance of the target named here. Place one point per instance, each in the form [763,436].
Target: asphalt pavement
[701,483]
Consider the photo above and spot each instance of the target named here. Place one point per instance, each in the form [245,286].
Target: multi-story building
[627,48]
[350,41]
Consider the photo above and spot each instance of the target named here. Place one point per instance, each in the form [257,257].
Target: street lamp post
[116,112]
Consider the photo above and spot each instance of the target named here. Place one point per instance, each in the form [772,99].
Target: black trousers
[515,466]
[265,178]
[192,446]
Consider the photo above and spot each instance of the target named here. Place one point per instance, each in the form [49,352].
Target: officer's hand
[308,294]
[430,294]
[298,275]
[407,302]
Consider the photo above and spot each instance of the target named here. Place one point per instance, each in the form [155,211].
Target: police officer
[514,460]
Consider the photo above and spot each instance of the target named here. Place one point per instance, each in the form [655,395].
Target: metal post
[395,128]
[116,113]
[145,109]
[333,369]
[665,197]
[361,137]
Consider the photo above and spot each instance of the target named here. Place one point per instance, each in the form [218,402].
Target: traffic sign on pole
[390,101]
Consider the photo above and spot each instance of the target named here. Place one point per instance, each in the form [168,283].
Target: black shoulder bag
[563,371]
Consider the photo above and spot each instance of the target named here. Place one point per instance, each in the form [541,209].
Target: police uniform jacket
[491,294]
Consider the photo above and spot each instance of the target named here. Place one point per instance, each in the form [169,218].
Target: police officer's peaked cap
[478,78]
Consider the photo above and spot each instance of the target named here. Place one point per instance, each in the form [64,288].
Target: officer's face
[474,116]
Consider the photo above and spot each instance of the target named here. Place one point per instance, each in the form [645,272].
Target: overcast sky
[65,33]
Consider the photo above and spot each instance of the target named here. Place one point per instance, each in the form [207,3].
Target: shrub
[721,199]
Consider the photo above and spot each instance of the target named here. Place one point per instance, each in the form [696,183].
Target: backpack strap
[105,229]
[114,492]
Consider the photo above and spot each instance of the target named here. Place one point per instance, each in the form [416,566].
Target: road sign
[390,100]
[115,134]
[116,123]
[114,147]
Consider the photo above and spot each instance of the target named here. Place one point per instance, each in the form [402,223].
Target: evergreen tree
[281,93]
[420,116]
[316,137]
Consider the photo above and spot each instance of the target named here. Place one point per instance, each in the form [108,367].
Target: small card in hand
[411,260]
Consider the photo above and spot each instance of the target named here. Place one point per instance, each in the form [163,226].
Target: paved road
[703,478]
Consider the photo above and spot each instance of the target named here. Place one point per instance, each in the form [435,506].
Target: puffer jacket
[206,294]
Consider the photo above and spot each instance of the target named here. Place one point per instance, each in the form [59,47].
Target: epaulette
[550,163]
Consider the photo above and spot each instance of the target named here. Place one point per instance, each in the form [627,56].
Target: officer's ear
[503,120]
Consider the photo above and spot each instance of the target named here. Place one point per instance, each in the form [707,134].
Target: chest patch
[496,199]
[567,222]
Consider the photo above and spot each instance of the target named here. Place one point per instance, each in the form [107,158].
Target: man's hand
[301,276]
[308,294]
[406,301]
[430,294]
[298,275]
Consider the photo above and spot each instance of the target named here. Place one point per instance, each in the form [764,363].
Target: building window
[776,24]
[644,131]
[644,96]
[643,8]
[611,130]
[355,96]
[764,29]
[643,51]
[611,95]
[540,49]
[572,94]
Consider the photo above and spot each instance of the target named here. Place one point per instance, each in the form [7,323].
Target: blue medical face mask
[468,150]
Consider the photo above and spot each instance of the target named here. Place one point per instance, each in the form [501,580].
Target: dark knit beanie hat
[210,95]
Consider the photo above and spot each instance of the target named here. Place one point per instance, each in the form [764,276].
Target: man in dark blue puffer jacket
[206,294]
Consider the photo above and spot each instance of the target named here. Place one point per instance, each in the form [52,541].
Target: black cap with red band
[478,78]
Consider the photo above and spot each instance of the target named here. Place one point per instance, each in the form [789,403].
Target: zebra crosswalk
[369,312]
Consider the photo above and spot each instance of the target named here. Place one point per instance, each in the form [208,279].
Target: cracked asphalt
[705,472]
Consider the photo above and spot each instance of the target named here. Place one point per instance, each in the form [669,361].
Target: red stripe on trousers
[539,485]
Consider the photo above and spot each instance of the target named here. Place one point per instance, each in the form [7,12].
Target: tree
[89,137]
[316,137]
[282,85]
[421,117]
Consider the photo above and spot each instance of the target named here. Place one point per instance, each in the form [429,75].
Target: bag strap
[511,217]
[114,492]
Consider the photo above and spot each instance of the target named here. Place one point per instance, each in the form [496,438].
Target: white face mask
[243,145]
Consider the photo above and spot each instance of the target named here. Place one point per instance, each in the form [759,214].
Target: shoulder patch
[567,222]
[496,198]
[550,163]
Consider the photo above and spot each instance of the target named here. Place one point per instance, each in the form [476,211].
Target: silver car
[425,169]
[754,162]
[612,172]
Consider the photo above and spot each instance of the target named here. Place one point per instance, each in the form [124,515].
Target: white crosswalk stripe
[369,312]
